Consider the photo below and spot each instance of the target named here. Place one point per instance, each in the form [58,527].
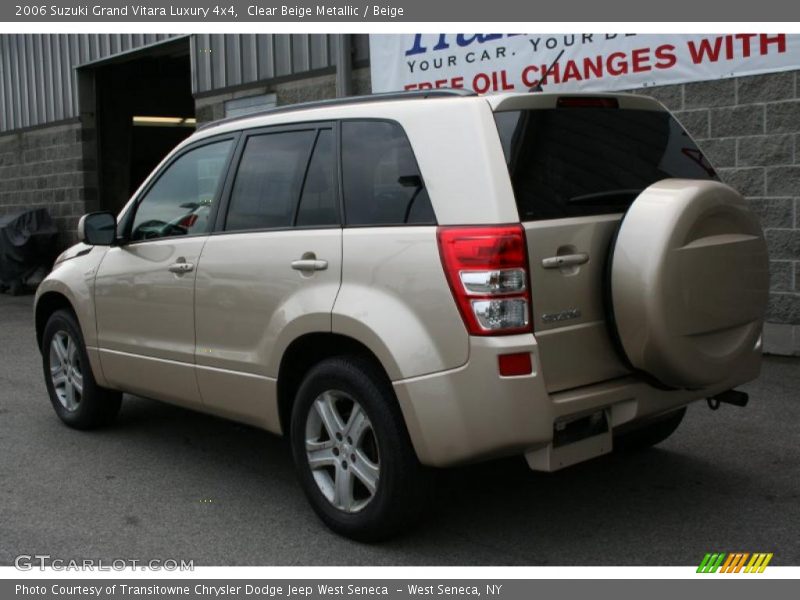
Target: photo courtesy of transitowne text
[399,300]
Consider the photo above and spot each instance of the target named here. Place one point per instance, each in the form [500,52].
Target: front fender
[73,279]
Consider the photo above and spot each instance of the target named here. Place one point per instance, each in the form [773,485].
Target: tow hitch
[734,397]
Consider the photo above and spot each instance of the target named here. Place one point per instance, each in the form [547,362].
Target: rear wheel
[352,452]
[649,434]
[77,399]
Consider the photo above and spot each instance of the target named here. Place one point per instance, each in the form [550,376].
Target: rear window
[572,162]
[381,179]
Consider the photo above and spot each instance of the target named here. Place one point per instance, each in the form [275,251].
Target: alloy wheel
[342,451]
[66,370]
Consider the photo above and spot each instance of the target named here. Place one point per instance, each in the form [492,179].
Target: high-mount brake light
[586,102]
[487,269]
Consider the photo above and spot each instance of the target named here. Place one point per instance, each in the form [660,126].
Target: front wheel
[352,452]
[77,399]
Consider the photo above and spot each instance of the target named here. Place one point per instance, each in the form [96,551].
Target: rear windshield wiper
[607,197]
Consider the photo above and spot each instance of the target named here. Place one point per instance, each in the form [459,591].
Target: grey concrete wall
[50,166]
[45,168]
[322,87]
[749,127]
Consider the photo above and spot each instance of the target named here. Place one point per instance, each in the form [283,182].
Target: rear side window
[382,182]
[269,180]
[588,161]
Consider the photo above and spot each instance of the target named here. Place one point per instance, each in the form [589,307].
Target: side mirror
[98,229]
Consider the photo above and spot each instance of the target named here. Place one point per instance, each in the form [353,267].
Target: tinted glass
[179,203]
[588,161]
[382,183]
[268,180]
[318,201]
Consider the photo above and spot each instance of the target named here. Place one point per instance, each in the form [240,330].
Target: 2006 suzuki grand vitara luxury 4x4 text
[418,280]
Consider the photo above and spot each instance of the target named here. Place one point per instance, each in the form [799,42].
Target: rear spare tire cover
[689,282]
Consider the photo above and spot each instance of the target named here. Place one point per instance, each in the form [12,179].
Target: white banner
[495,62]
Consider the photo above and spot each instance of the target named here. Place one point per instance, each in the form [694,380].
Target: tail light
[487,269]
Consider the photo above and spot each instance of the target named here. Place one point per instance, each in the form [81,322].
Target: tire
[77,399]
[381,448]
[688,283]
[649,434]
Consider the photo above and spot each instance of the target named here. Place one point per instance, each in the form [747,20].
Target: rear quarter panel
[395,299]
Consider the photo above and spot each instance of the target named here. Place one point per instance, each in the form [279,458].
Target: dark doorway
[144,108]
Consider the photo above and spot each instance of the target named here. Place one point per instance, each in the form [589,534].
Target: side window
[179,203]
[268,180]
[318,200]
[382,182]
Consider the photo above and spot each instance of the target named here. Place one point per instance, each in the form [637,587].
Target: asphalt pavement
[164,482]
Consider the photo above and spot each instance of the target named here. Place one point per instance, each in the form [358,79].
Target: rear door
[576,164]
[271,271]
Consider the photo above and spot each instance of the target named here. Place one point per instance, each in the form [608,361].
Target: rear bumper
[472,413]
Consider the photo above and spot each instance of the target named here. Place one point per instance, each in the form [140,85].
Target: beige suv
[407,281]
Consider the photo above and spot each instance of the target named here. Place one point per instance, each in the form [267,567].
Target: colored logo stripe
[734,562]
[758,563]
[711,563]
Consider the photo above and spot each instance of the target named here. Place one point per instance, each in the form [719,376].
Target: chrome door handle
[309,264]
[565,260]
[181,267]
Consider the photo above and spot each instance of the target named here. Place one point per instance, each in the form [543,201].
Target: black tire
[649,434]
[96,406]
[403,483]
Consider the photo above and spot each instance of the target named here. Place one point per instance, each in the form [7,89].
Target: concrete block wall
[749,127]
[320,87]
[44,167]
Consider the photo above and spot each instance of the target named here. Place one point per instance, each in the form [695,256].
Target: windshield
[568,162]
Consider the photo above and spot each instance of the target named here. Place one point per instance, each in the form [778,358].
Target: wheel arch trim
[53,295]
[303,353]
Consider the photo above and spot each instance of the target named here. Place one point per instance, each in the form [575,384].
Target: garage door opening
[143,109]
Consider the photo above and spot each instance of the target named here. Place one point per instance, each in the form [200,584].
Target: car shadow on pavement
[500,504]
